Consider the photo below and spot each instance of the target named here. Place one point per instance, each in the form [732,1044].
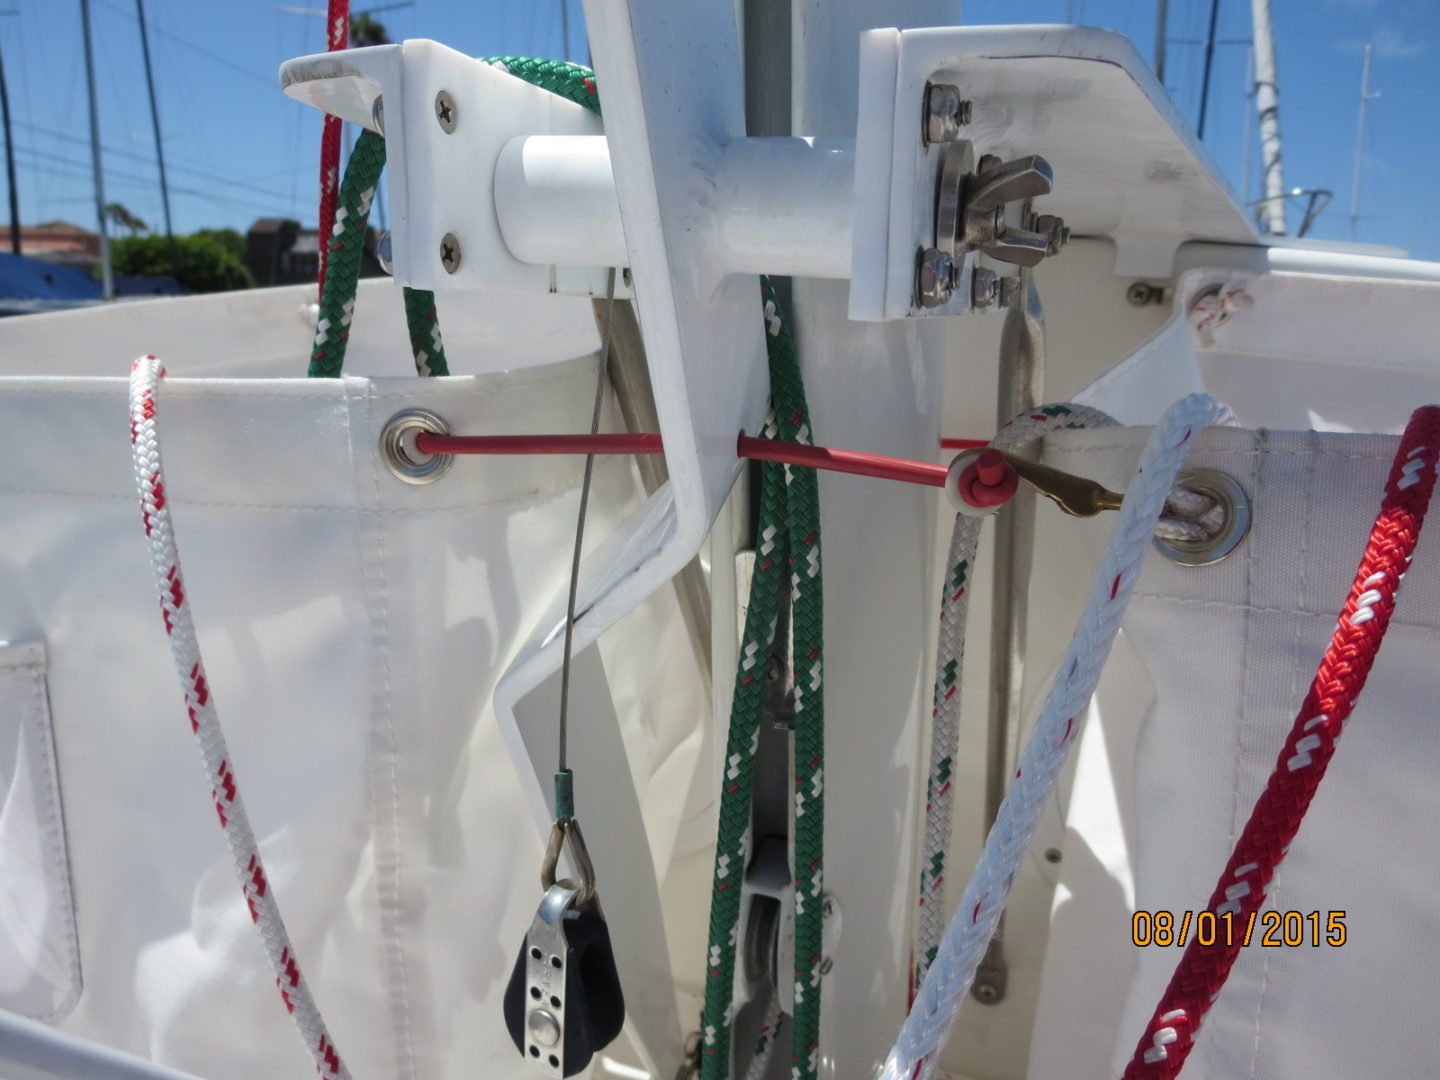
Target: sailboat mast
[108,278]
[1365,97]
[1209,66]
[10,161]
[155,123]
[1162,17]
[1267,104]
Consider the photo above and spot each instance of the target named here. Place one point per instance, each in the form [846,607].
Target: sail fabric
[1213,665]
[353,627]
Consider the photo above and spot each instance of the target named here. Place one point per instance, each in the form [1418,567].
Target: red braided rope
[1298,771]
[337,36]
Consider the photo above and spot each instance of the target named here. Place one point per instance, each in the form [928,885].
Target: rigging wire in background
[147,159]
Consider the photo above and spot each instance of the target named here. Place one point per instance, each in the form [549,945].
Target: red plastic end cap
[988,480]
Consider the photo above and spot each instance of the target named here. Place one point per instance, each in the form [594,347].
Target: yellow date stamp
[1269,929]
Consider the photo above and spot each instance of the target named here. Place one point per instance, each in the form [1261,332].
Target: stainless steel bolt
[945,113]
[450,253]
[1009,289]
[1052,227]
[934,278]
[384,253]
[377,114]
[984,288]
[445,111]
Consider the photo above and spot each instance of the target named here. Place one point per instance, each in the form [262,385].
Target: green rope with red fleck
[570,81]
[807,599]
[346,245]
[788,540]
[733,839]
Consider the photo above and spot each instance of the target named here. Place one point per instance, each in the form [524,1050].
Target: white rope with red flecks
[949,658]
[145,375]
[938,1003]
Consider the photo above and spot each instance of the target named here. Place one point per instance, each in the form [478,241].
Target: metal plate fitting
[1234,507]
[397,447]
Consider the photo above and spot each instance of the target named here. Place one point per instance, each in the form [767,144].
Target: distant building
[279,252]
[57,242]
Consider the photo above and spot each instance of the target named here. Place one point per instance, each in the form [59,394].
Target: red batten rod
[538,444]
[747,446]
[847,461]
[963,444]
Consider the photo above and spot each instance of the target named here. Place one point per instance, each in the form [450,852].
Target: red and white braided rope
[337,36]
[1202,970]
[938,1003]
[949,658]
[145,374]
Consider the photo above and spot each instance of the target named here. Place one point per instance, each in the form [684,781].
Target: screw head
[450,253]
[934,277]
[984,288]
[385,253]
[445,111]
[945,113]
[1140,293]
[377,115]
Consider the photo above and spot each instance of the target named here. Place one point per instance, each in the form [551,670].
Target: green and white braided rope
[342,275]
[788,538]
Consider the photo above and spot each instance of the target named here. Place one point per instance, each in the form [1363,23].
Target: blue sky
[238,149]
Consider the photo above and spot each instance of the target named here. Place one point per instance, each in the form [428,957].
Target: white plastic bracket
[442,181]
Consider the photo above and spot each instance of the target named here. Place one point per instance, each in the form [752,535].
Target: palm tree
[122,218]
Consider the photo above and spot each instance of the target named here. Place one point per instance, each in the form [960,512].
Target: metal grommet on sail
[1220,528]
[402,458]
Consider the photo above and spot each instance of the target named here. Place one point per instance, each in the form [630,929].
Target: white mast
[1365,97]
[1267,104]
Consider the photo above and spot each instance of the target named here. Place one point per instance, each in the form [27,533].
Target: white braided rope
[145,374]
[926,1029]
[949,657]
